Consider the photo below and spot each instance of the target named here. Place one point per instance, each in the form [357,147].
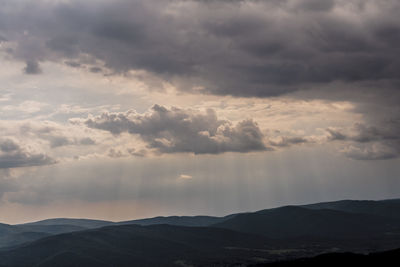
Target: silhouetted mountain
[386,258]
[239,239]
[6,228]
[295,222]
[11,235]
[386,208]
[51,229]
[134,245]
[84,223]
[180,220]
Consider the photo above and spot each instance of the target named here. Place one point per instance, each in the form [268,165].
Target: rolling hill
[180,220]
[296,222]
[238,239]
[134,245]
[385,208]
[83,223]
[12,235]
[385,258]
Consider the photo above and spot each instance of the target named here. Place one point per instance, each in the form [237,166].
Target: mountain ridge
[286,232]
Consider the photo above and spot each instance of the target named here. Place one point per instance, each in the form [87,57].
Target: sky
[128,109]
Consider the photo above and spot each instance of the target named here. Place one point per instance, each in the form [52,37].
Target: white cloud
[185,176]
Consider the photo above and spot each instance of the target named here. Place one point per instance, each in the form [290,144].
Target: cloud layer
[344,50]
[175,130]
[247,48]
[12,155]
[369,142]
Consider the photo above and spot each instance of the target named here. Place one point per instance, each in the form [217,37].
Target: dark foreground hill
[165,245]
[386,258]
[133,245]
[12,235]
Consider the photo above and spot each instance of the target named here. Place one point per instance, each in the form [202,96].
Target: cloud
[369,142]
[113,153]
[375,151]
[8,146]
[57,141]
[185,176]
[96,69]
[176,130]
[335,49]
[56,135]
[245,48]
[285,141]
[87,141]
[334,134]
[12,155]
[32,67]
[38,143]
[72,64]
[137,153]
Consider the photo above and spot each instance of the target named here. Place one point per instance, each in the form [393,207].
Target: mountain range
[259,237]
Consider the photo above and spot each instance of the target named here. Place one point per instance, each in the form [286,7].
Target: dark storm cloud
[247,48]
[12,155]
[175,130]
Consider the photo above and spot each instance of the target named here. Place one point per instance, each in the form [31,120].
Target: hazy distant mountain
[180,220]
[51,229]
[85,223]
[6,228]
[387,208]
[11,235]
[294,222]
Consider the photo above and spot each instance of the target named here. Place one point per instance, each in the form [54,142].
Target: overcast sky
[135,108]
